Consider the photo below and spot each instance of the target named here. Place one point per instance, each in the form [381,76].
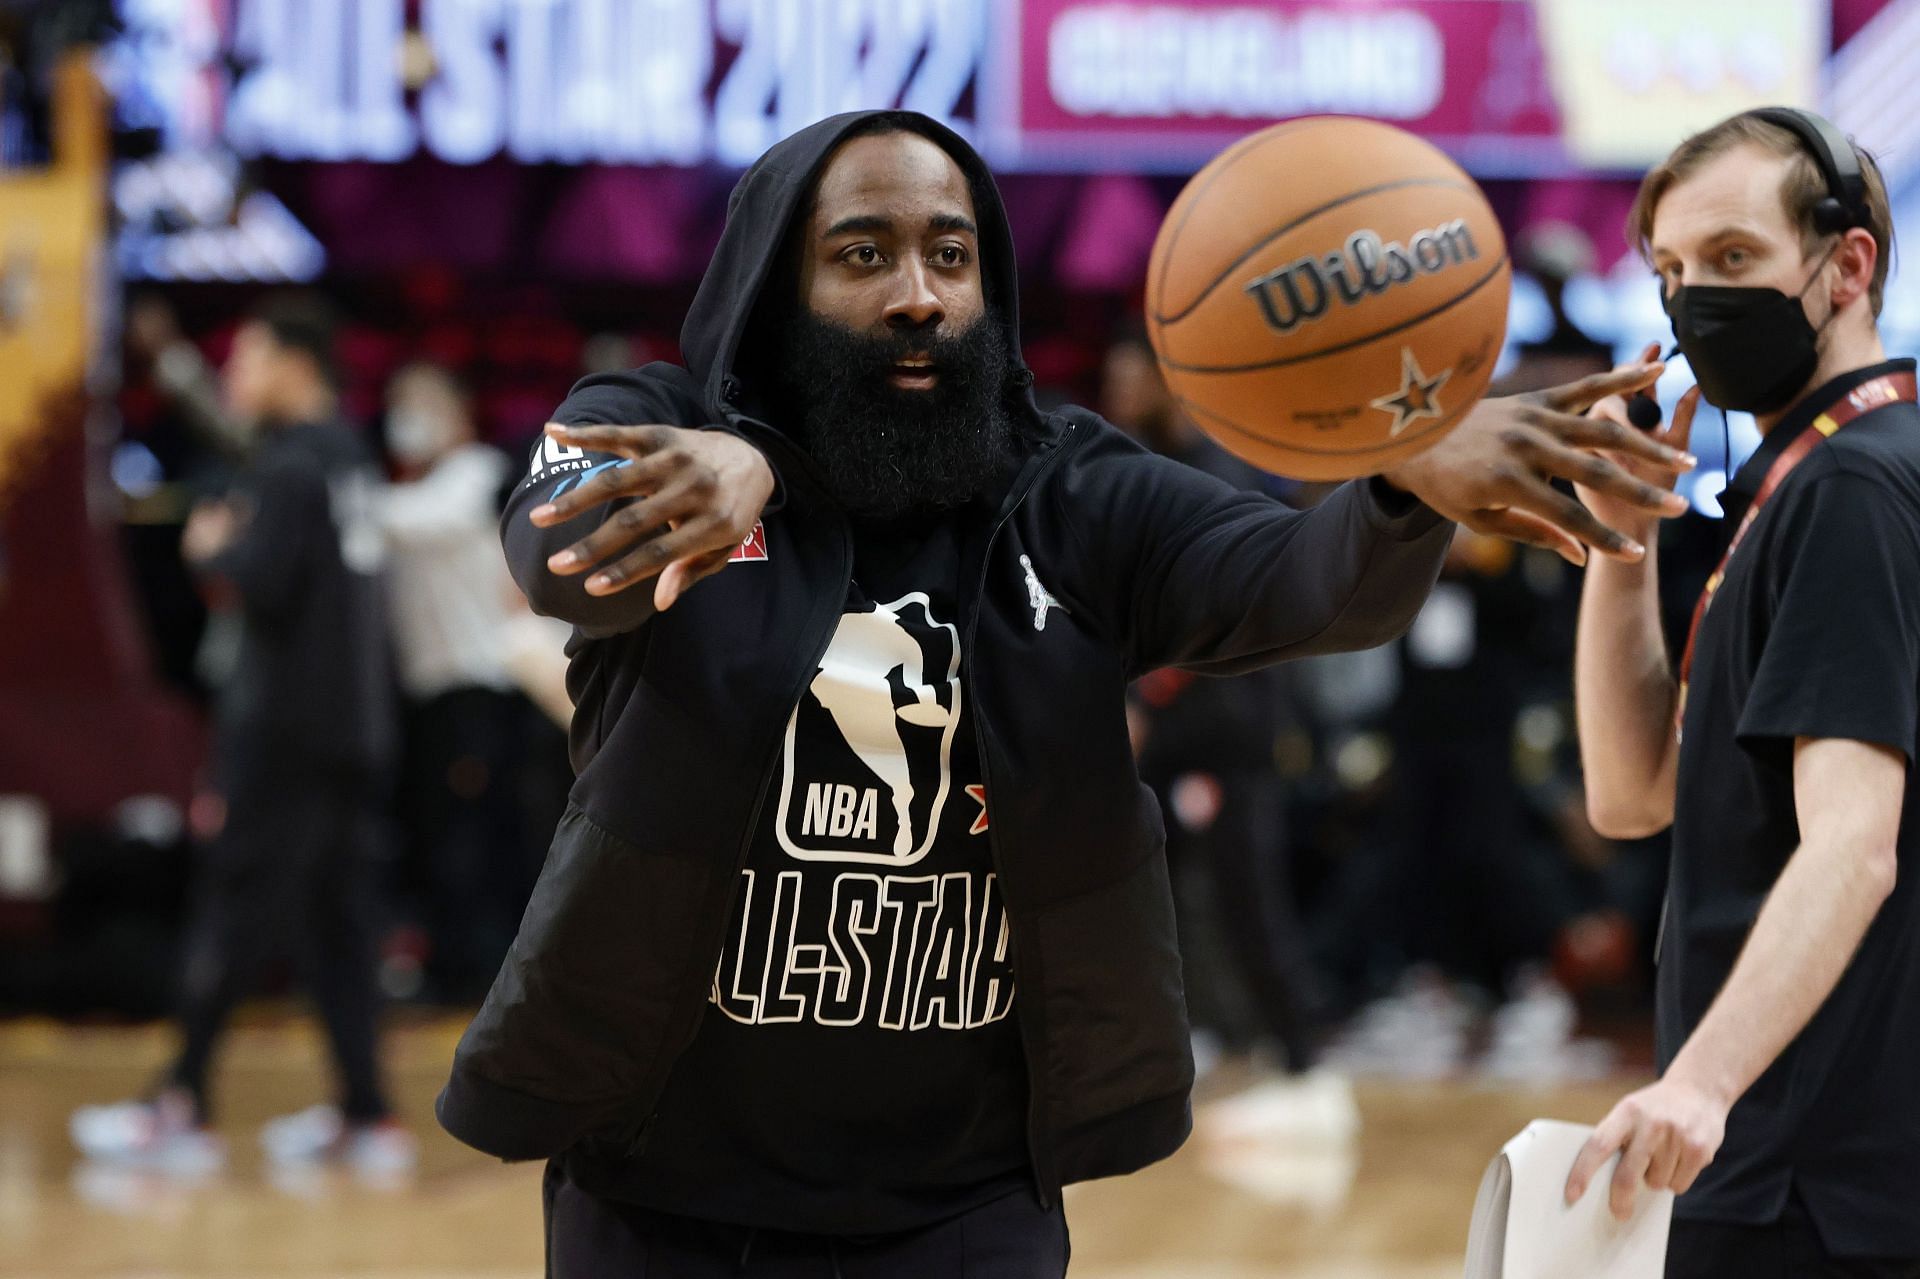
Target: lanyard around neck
[1888,388]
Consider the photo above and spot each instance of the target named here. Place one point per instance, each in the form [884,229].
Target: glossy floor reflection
[1274,1187]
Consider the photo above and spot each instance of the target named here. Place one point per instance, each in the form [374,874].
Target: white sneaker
[1208,1053]
[382,1151]
[1316,1108]
[319,1134]
[158,1134]
[1419,1032]
[1533,1042]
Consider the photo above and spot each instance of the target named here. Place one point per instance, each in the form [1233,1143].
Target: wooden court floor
[1392,1205]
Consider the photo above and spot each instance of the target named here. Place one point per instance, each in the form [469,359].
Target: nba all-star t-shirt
[858,1068]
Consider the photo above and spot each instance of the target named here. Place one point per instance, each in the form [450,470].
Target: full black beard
[885,452]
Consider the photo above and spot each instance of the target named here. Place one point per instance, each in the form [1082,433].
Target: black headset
[1842,208]
[1845,204]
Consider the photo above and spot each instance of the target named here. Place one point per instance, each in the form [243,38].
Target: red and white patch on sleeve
[752,548]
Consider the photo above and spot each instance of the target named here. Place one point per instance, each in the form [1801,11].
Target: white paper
[1524,1229]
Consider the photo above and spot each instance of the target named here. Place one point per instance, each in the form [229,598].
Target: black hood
[760,213]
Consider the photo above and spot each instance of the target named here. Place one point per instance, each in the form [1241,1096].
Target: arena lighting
[578,81]
[1510,89]
[1705,491]
[183,218]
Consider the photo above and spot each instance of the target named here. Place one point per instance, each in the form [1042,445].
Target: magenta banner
[1509,86]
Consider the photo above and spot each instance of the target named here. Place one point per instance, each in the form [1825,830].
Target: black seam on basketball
[1348,345]
[1230,155]
[1288,446]
[1277,232]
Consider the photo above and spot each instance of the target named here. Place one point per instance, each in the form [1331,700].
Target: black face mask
[1751,349]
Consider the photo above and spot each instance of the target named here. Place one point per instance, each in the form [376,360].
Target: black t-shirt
[1815,633]
[858,1068]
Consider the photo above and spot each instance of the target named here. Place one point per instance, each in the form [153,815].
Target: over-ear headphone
[1845,204]
[1843,207]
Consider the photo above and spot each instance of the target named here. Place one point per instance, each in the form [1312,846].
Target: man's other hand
[696,495]
[1493,472]
[1666,1133]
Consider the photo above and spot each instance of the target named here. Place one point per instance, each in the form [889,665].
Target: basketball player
[304,736]
[1788,1109]
[856,944]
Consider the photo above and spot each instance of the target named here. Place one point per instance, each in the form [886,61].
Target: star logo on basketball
[1417,397]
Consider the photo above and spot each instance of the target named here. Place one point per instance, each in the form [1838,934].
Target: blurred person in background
[1555,254]
[608,352]
[1463,903]
[184,377]
[448,593]
[304,742]
[1135,398]
[1206,747]
[1434,911]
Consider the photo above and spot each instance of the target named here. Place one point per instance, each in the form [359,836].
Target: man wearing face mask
[448,592]
[1779,745]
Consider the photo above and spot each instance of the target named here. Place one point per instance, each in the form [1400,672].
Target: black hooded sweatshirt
[312,684]
[678,736]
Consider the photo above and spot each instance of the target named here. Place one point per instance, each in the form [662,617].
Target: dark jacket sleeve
[1190,572]
[270,562]
[658,393]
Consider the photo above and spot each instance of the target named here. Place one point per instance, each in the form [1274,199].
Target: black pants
[1461,862]
[1788,1249]
[291,874]
[589,1237]
[1244,856]
[471,863]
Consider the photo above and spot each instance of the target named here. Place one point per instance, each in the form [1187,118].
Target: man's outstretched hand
[695,496]
[1494,471]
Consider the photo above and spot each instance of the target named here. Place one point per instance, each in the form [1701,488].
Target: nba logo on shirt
[752,548]
[868,749]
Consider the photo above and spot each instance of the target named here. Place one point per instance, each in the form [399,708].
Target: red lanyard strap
[1888,388]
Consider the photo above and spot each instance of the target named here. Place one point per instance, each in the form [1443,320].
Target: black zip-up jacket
[680,720]
[313,680]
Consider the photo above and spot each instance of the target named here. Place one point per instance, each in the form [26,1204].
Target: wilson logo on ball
[1303,290]
[1327,297]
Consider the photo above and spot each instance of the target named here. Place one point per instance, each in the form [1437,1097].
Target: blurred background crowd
[429,217]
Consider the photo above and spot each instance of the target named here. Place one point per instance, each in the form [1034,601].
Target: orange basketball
[1328,297]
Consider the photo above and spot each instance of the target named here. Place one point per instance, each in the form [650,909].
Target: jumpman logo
[1038,598]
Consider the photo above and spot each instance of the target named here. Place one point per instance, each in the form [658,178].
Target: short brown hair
[1803,187]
